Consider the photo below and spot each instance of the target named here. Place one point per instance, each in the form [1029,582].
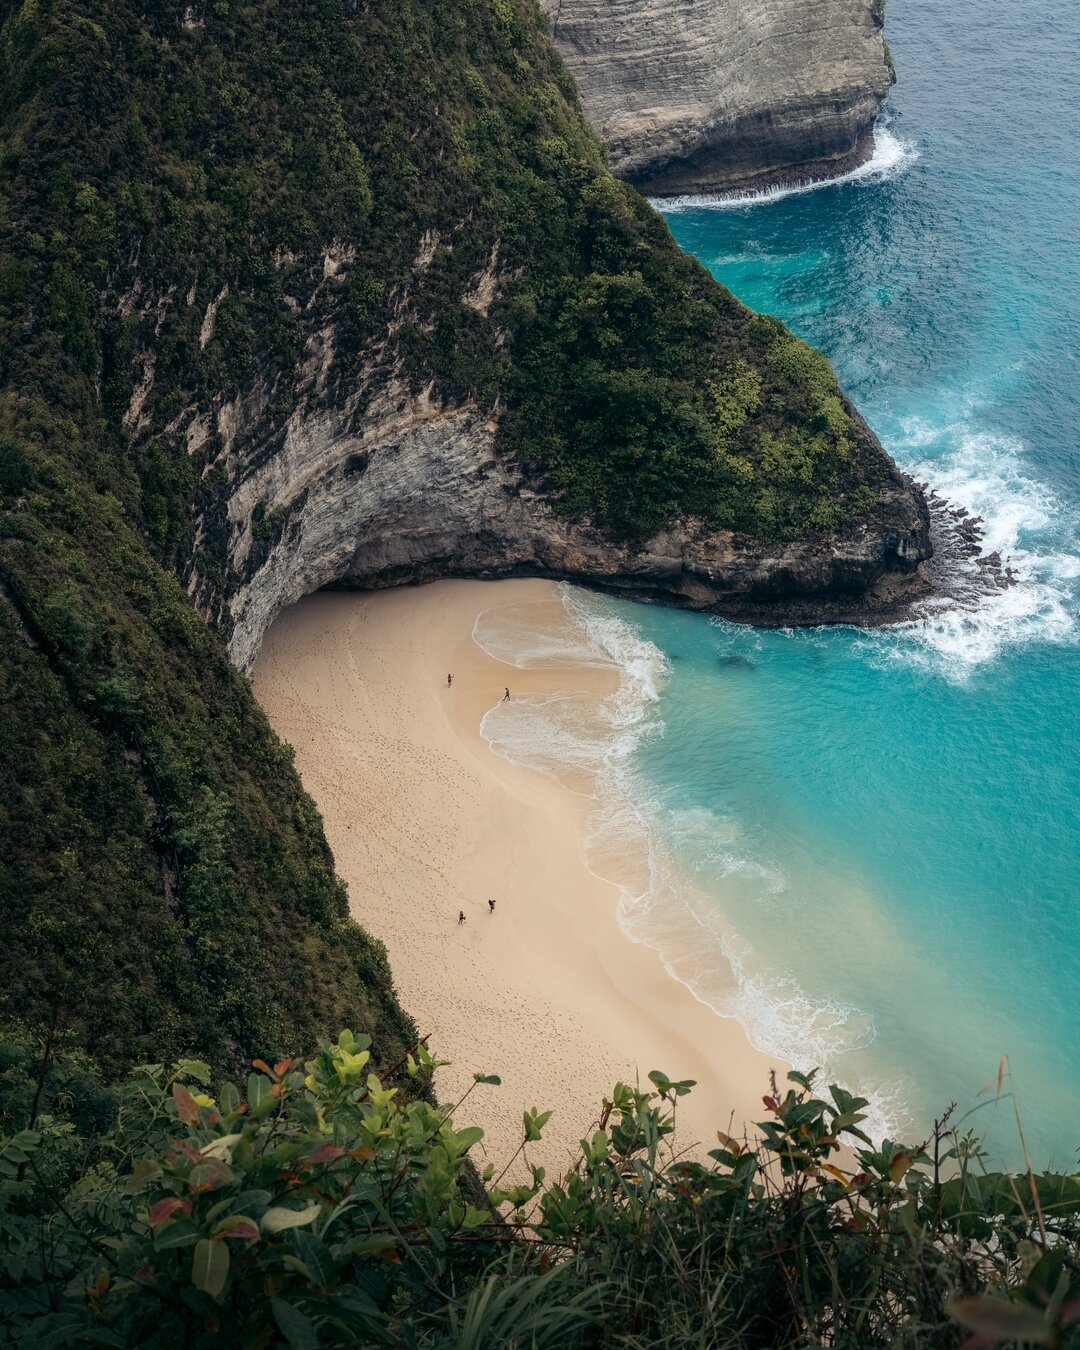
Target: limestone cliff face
[708,95]
[372,484]
[419,493]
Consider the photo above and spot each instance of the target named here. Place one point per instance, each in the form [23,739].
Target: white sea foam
[986,473]
[671,866]
[891,156]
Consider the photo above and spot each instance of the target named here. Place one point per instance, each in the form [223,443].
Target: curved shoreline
[425,820]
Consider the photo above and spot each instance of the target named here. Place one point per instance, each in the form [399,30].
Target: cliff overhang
[419,492]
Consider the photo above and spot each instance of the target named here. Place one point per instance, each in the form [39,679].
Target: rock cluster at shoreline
[959,561]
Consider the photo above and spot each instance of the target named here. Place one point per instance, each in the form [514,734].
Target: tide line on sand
[425,821]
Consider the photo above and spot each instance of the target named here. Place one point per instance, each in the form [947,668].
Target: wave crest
[891,156]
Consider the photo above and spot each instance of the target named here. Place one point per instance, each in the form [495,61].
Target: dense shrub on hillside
[314,1204]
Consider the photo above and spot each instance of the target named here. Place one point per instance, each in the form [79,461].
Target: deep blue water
[882,831]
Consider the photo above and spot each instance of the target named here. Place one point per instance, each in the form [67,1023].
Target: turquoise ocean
[866,845]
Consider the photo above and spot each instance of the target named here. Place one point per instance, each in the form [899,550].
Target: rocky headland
[370,484]
[716,95]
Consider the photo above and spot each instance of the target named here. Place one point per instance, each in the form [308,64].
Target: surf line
[889,157]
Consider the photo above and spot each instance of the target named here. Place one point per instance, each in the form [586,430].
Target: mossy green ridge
[164,880]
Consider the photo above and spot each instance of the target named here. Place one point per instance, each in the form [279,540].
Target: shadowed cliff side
[710,95]
[300,294]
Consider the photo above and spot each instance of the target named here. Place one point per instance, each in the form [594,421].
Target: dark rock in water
[733,661]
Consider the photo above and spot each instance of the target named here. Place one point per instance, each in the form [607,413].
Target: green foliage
[315,1204]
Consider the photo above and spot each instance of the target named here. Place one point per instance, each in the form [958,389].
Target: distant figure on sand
[491,906]
[449,681]
[506,696]
[461,916]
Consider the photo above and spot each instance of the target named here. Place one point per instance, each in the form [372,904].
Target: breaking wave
[891,157]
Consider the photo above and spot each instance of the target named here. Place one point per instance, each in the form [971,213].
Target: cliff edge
[712,95]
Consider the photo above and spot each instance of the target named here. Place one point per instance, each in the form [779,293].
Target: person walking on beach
[461,916]
[506,696]
[491,906]
[449,681]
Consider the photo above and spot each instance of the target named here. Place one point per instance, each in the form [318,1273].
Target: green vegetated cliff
[191,196]
[187,194]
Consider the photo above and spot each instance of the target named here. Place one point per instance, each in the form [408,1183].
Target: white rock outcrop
[708,95]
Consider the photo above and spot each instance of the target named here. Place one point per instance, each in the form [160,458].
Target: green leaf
[178,1233]
[316,1256]
[995,1317]
[210,1266]
[278,1219]
[258,1089]
[237,1226]
[209,1174]
[193,1068]
[229,1098]
[143,1173]
[297,1329]
[534,1122]
[222,1148]
[492,1078]
[464,1139]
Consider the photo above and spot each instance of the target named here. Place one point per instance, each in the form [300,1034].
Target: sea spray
[1023,522]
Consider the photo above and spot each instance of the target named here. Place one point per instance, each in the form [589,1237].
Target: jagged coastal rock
[711,95]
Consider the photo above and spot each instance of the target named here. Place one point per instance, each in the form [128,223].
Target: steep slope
[705,95]
[300,294]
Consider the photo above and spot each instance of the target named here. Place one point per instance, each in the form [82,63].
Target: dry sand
[425,820]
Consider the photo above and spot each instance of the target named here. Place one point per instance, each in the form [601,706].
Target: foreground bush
[317,1205]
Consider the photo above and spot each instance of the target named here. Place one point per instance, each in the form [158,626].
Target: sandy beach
[425,820]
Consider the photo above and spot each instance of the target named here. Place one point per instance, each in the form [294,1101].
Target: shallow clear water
[867,846]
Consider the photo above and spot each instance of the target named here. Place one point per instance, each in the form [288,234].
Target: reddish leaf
[326,1153]
[364,1154]
[771,1103]
[187,1108]
[241,1228]
[389,1254]
[162,1209]
[262,1067]
[282,1067]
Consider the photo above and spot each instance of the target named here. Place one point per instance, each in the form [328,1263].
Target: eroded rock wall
[708,95]
[412,491]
